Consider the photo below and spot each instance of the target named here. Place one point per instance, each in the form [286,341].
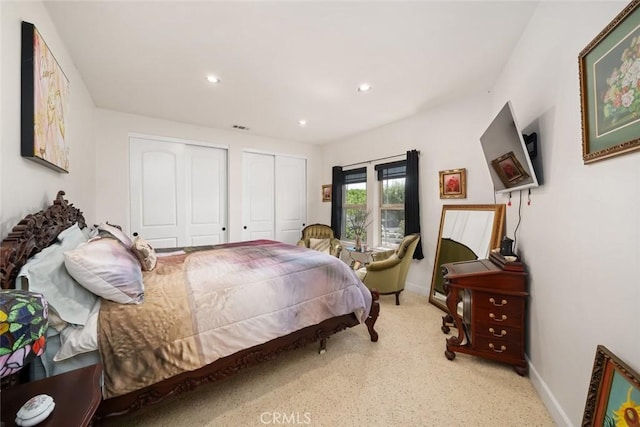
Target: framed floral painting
[610,88]
[613,398]
[453,184]
[326,193]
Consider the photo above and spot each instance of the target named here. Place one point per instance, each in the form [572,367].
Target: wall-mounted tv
[509,153]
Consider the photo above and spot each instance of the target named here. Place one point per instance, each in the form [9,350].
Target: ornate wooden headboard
[34,233]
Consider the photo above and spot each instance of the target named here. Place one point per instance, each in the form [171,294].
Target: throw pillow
[321,245]
[145,253]
[108,269]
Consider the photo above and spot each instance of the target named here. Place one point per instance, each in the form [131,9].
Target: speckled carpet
[402,380]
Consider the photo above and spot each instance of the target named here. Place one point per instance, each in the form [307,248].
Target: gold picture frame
[509,169]
[326,193]
[613,389]
[609,104]
[453,184]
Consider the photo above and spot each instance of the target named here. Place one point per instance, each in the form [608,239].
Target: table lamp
[23,325]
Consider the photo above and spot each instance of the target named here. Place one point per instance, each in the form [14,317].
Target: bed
[203,353]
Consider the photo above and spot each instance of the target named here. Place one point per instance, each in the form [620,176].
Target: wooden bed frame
[37,231]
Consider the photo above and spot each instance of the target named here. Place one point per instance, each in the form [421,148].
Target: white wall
[25,186]
[580,236]
[112,168]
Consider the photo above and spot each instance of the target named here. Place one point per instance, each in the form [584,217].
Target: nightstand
[76,394]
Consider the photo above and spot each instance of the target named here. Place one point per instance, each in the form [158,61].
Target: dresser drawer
[510,333]
[498,302]
[499,346]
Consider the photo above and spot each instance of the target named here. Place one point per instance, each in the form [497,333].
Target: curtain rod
[375,160]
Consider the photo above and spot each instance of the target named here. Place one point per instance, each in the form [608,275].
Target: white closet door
[206,189]
[258,188]
[291,198]
[157,199]
[178,192]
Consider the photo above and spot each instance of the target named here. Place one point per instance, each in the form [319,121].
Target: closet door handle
[245,227]
[224,228]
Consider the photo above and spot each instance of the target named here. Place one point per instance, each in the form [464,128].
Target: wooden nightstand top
[76,394]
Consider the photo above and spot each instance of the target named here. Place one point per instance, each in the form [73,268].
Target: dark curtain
[337,181]
[412,200]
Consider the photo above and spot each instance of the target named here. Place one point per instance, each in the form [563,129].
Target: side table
[76,394]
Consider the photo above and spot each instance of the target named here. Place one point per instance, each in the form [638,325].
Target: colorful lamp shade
[23,325]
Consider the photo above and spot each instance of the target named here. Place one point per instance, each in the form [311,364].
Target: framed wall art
[326,193]
[453,184]
[509,169]
[613,398]
[610,88]
[44,103]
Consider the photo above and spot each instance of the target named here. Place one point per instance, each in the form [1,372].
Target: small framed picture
[509,169]
[453,184]
[613,393]
[326,193]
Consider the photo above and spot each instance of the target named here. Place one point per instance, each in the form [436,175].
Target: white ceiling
[284,61]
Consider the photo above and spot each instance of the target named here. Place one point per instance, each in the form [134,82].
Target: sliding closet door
[258,196]
[157,200]
[291,198]
[178,192]
[274,197]
[206,195]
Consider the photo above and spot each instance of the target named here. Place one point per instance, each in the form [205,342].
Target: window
[392,181]
[354,208]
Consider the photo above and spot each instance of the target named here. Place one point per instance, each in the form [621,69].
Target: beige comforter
[201,305]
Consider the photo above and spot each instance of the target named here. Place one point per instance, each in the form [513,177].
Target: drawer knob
[493,301]
[502,318]
[493,347]
[501,334]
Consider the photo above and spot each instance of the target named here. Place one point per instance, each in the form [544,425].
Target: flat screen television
[509,153]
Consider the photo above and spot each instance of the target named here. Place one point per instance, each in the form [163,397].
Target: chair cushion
[321,245]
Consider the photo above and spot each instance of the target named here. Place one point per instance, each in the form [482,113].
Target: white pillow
[46,274]
[322,245]
[75,340]
[108,269]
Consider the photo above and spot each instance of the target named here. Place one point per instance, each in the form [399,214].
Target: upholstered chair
[321,238]
[389,275]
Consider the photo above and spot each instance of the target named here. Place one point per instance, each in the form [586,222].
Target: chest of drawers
[494,294]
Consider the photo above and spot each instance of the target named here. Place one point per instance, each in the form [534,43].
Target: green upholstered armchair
[320,232]
[388,275]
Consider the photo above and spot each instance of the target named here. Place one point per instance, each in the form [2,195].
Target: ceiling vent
[240,127]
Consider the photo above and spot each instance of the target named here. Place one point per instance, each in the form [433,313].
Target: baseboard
[549,400]
[416,289]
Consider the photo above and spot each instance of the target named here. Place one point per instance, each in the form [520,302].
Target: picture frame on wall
[326,193]
[453,184]
[509,169]
[614,392]
[609,92]
[44,104]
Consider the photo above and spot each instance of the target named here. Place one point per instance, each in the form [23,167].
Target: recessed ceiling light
[364,87]
[302,122]
[213,79]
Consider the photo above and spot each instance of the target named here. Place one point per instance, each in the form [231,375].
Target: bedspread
[202,304]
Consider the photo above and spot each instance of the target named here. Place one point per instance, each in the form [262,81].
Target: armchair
[319,232]
[388,275]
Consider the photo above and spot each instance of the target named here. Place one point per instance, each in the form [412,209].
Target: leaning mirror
[467,232]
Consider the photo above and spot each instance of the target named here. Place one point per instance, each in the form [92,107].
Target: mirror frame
[496,236]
